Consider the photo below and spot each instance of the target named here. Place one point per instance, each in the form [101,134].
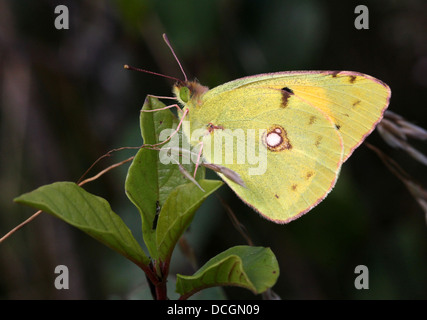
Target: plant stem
[161,291]
[152,287]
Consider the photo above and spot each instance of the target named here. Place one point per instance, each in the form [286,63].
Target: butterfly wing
[304,124]
[355,102]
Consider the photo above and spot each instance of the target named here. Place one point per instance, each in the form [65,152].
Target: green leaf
[254,268]
[149,181]
[87,212]
[178,212]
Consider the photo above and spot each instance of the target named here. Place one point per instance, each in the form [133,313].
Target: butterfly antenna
[173,52]
[150,72]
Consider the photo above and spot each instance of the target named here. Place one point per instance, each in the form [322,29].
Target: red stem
[161,291]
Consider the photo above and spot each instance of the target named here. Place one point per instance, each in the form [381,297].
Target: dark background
[66,99]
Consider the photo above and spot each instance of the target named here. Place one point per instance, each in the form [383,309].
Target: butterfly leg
[167,107]
[161,97]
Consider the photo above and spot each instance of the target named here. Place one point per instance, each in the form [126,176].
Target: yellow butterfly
[285,134]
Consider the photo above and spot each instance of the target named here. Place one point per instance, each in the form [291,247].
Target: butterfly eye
[184,94]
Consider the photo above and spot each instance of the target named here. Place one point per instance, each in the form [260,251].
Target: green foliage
[177,214]
[167,202]
[253,268]
[149,181]
[87,212]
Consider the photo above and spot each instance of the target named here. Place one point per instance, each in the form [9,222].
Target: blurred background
[65,100]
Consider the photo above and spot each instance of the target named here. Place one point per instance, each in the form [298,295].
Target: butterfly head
[189,91]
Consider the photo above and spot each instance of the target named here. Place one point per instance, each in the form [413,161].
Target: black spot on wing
[318,141]
[309,174]
[286,93]
[356,103]
[312,120]
[288,90]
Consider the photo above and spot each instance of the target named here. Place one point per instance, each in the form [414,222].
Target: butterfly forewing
[355,102]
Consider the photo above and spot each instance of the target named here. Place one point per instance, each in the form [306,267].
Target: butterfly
[284,135]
